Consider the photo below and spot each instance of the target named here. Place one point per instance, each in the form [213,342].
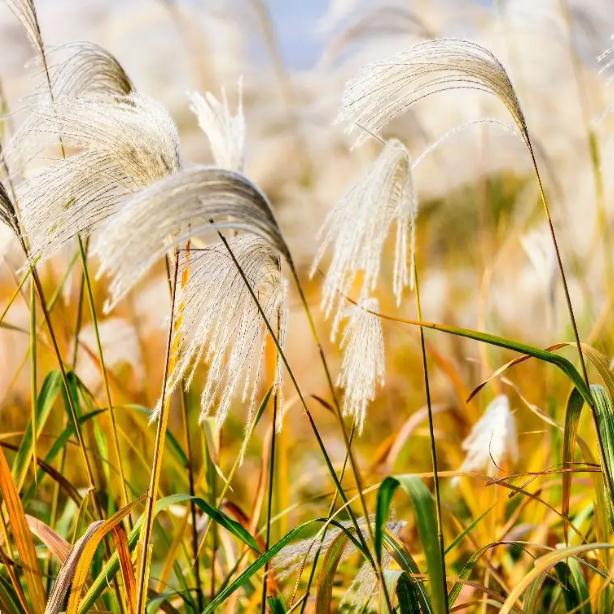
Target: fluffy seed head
[363,364]
[171,211]
[114,147]
[218,322]
[492,440]
[226,132]
[385,89]
[357,227]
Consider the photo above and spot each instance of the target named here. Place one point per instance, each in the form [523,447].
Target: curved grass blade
[23,537]
[112,565]
[87,554]
[426,521]
[327,573]
[542,565]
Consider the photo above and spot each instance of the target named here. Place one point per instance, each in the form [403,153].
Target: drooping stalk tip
[358,226]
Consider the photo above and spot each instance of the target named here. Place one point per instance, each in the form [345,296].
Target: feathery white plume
[226,133]
[358,225]
[363,363]
[120,344]
[385,89]
[173,210]
[218,320]
[492,440]
[115,147]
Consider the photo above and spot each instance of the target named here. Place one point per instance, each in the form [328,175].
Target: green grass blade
[112,565]
[426,522]
[48,393]
[605,425]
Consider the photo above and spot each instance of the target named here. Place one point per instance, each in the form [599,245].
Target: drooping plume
[226,132]
[363,363]
[493,439]
[386,89]
[357,228]
[113,146]
[86,69]
[219,323]
[192,202]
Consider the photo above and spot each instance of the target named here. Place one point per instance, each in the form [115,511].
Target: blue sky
[296,22]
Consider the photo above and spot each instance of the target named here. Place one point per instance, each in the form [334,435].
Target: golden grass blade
[120,539]
[542,565]
[64,579]
[22,536]
[91,543]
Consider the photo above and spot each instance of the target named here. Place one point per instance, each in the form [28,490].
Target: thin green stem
[267,536]
[90,297]
[146,531]
[33,375]
[316,557]
[427,390]
[346,439]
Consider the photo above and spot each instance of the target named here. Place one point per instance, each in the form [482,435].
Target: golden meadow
[318,325]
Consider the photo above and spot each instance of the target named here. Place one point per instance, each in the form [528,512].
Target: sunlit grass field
[312,332]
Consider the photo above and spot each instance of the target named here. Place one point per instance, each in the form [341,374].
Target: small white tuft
[226,132]
[493,439]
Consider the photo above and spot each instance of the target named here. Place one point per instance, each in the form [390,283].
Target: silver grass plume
[294,557]
[87,69]
[363,365]
[357,228]
[226,132]
[191,202]
[219,323]
[114,147]
[385,89]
